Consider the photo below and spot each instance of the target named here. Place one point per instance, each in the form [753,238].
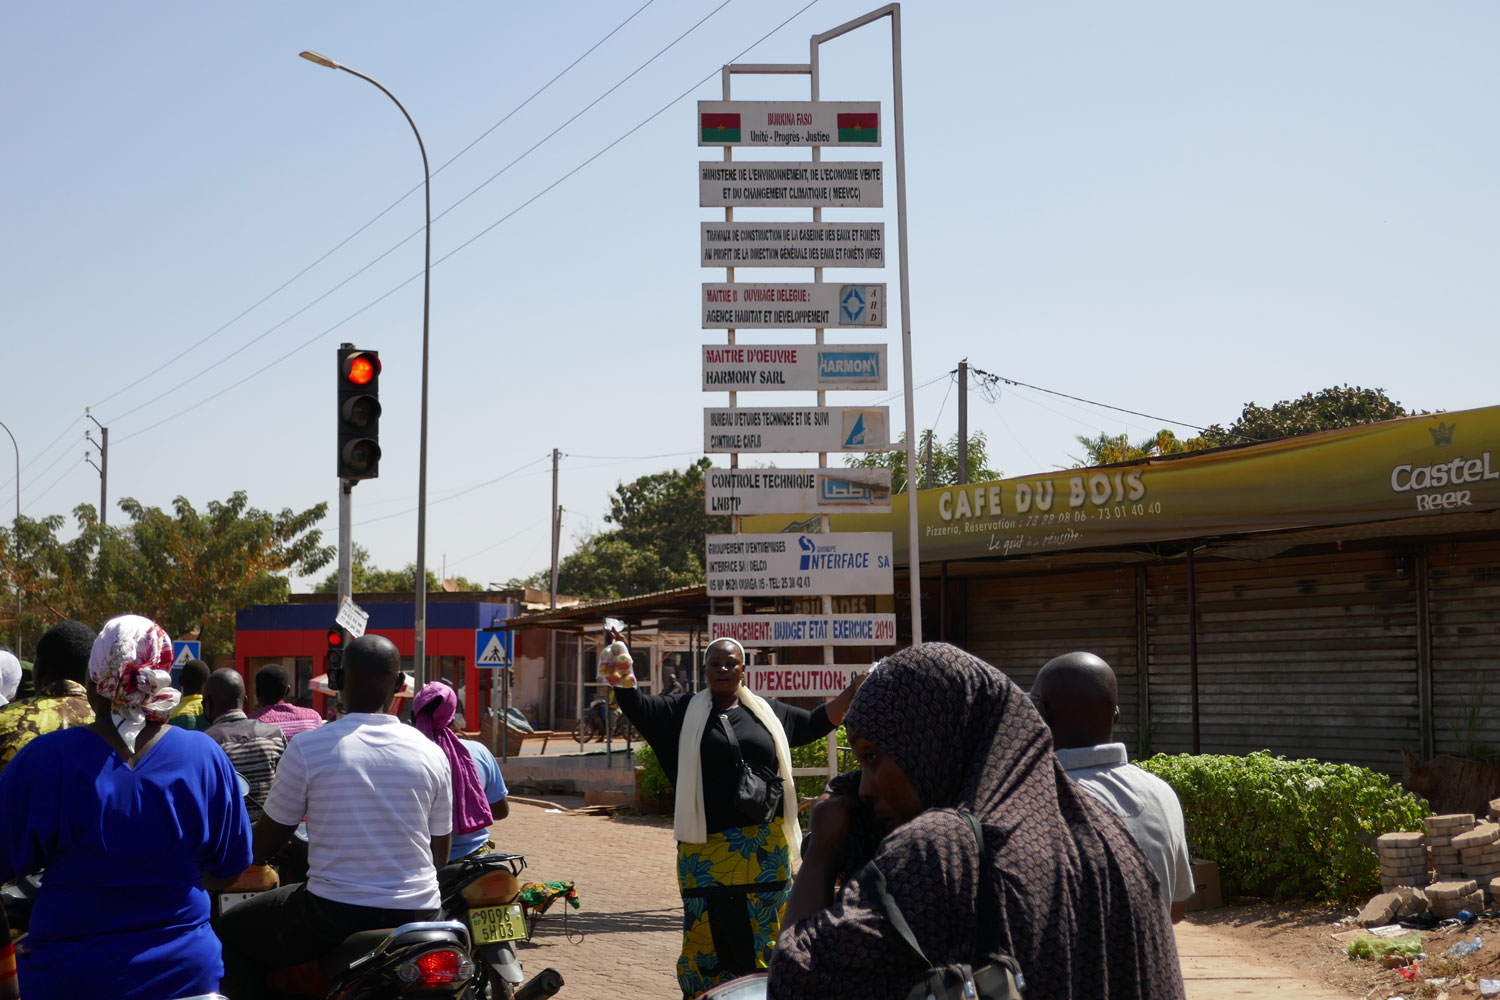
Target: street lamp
[16,540]
[419,663]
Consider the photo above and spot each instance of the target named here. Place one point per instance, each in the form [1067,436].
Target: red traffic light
[362,369]
[335,636]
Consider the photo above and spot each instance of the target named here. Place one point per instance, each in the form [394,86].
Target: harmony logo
[849,367]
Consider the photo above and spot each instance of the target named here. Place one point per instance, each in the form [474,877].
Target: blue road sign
[491,649]
[184,651]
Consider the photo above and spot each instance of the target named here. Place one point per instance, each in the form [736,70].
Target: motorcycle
[484,894]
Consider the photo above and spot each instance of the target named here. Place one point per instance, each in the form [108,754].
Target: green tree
[368,579]
[188,570]
[1326,409]
[1107,449]
[656,543]
[943,464]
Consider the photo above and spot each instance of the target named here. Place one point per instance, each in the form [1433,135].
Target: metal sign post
[814,564]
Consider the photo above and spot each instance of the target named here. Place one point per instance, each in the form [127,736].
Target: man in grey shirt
[1078,698]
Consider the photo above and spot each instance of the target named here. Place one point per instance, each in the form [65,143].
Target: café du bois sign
[857,562]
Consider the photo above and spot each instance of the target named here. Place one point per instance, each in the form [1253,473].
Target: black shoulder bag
[757,792]
[999,979]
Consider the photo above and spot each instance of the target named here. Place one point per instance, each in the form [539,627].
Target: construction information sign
[746,306]
[779,367]
[798,491]
[793,244]
[789,123]
[796,184]
[795,428]
[852,563]
[804,630]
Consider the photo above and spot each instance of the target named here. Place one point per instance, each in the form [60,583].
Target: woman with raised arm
[727,753]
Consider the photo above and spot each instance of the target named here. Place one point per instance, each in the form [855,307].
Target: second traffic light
[359,413]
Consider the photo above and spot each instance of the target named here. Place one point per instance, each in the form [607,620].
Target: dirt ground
[622,943]
[1302,939]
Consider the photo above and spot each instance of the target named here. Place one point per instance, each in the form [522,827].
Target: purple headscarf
[432,711]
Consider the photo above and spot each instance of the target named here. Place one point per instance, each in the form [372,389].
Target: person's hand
[829,826]
[839,706]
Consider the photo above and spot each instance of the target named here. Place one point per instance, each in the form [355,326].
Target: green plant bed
[1288,829]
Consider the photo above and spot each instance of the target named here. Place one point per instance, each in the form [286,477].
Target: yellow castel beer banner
[1412,467]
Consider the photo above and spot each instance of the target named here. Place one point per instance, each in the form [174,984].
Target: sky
[1170,207]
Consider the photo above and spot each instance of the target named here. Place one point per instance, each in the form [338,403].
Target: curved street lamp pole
[16,540]
[419,585]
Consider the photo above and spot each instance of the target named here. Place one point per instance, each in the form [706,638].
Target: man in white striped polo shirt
[379,805]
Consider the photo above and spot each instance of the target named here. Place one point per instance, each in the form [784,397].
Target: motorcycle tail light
[436,968]
[498,886]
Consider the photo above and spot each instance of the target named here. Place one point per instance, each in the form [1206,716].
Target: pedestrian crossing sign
[184,651]
[491,649]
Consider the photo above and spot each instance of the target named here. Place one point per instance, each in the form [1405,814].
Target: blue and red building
[295,635]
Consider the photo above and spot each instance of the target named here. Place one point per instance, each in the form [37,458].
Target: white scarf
[689,821]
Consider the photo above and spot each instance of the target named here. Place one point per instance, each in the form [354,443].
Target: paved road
[625,938]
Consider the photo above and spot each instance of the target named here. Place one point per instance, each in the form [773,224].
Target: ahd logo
[860,305]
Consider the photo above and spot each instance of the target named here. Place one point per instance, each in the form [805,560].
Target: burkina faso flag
[859,127]
[720,127]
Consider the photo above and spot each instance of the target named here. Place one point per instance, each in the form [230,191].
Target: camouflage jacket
[58,706]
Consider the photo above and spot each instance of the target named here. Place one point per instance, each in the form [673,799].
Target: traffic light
[337,640]
[359,413]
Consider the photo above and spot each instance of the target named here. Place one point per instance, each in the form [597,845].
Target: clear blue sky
[1173,207]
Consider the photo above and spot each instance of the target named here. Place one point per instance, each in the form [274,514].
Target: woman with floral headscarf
[1056,881]
[131,819]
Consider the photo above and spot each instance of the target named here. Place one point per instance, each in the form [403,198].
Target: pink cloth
[433,710]
[292,719]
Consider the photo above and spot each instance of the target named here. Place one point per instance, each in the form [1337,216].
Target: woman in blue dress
[130,818]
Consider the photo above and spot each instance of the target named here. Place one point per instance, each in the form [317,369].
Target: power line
[994,379]
[454,496]
[483,232]
[38,456]
[50,487]
[530,527]
[437,218]
[378,216]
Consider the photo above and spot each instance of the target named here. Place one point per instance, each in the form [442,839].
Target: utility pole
[556,529]
[963,422]
[926,462]
[103,467]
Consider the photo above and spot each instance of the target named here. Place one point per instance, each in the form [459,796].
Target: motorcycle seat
[361,943]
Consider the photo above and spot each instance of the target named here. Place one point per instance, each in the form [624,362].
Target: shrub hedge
[1288,829]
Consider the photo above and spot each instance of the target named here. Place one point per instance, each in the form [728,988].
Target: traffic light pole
[346,536]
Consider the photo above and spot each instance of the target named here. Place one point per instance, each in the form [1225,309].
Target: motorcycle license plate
[493,924]
[228,900]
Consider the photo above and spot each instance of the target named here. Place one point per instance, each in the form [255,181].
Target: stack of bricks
[1440,833]
[1494,810]
[1479,852]
[1447,898]
[1403,860]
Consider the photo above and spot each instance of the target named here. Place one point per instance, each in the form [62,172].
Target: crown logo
[1442,434]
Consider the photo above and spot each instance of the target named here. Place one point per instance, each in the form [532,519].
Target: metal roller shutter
[1303,656]
[1464,616]
[1019,623]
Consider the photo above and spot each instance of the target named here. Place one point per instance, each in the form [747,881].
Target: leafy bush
[654,783]
[1288,829]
